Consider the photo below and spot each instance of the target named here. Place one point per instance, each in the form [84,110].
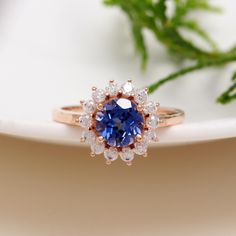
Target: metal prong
[139,138]
[111,81]
[139,107]
[107,94]
[129,163]
[108,162]
[76,119]
[82,102]
[92,154]
[100,139]
[130,81]
[145,154]
[146,89]
[99,106]
[94,88]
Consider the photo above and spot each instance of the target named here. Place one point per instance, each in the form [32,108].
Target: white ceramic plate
[52,52]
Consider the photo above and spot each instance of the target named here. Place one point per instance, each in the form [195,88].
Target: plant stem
[198,66]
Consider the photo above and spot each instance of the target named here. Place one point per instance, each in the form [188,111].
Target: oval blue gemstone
[119,122]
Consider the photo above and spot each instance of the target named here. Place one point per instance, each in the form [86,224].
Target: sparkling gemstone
[112,89]
[127,155]
[141,96]
[150,135]
[98,95]
[150,108]
[85,121]
[89,136]
[89,106]
[119,122]
[127,88]
[97,147]
[111,154]
[140,148]
[152,122]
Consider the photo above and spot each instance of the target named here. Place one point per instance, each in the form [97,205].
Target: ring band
[70,115]
[119,121]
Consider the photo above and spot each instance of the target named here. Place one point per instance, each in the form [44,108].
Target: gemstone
[150,135]
[150,108]
[127,88]
[127,155]
[140,148]
[111,154]
[89,106]
[98,95]
[152,122]
[119,122]
[89,136]
[141,96]
[97,147]
[85,121]
[112,89]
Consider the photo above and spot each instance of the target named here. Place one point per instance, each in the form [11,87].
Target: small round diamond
[89,136]
[150,108]
[89,106]
[127,88]
[127,155]
[140,148]
[97,147]
[112,89]
[152,122]
[141,96]
[98,95]
[111,154]
[85,121]
[150,135]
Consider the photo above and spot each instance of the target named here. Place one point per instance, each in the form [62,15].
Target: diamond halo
[118,119]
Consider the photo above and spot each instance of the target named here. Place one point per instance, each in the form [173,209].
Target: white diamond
[140,148]
[127,88]
[152,122]
[150,135]
[89,106]
[150,108]
[85,121]
[89,136]
[112,89]
[141,96]
[127,155]
[98,95]
[111,154]
[97,147]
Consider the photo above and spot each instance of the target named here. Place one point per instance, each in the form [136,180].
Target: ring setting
[119,121]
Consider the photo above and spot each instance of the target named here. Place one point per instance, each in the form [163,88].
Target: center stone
[119,122]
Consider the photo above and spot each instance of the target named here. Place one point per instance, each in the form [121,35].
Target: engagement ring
[119,121]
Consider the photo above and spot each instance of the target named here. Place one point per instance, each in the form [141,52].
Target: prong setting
[98,105]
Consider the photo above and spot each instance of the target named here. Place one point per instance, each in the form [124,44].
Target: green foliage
[152,15]
[230,93]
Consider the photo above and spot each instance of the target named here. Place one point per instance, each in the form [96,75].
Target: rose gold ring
[119,121]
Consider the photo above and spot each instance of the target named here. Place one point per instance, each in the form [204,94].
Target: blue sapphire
[119,122]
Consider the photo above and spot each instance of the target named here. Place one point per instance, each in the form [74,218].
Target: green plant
[152,15]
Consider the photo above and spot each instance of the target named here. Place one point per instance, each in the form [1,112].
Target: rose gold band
[70,115]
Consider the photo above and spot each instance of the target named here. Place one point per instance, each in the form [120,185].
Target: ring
[119,121]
